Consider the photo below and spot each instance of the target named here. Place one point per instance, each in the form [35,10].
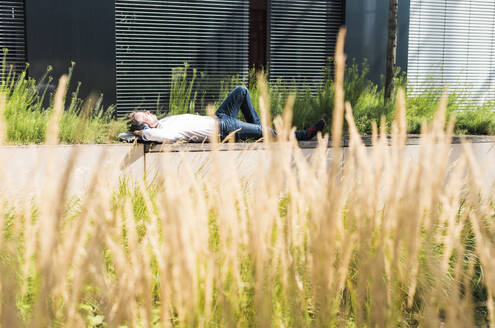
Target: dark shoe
[313,130]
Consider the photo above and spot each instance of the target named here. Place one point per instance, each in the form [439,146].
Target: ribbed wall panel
[303,35]
[451,42]
[12,34]
[154,36]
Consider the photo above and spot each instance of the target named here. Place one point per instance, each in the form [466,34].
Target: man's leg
[301,135]
[311,132]
[248,131]
[254,131]
[244,131]
[239,98]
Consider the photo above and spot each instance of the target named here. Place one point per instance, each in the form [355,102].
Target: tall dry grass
[378,242]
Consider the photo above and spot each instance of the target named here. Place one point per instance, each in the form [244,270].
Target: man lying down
[197,128]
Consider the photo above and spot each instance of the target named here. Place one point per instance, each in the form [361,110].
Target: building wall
[258,33]
[302,37]
[61,31]
[153,38]
[367,25]
[12,35]
[126,49]
[452,43]
[451,40]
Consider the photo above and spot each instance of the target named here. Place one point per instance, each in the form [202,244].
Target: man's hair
[133,123]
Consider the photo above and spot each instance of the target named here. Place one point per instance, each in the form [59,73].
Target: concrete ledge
[484,155]
[26,170]
[206,147]
[249,164]
[412,139]
[251,159]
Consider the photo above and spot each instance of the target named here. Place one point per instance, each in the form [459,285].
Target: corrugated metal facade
[303,34]
[452,42]
[154,36]
[12,33]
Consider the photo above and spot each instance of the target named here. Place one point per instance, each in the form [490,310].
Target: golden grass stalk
[264,103]
[338,109]
[58,109]
[3,121]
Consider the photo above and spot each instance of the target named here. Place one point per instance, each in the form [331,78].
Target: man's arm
[160,135]
[138,133]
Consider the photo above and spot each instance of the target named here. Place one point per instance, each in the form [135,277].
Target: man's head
[139,120]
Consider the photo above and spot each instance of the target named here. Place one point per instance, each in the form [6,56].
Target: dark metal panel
[258,33]
[302,37]
[367,28]
[403,34]
[61,31]
[154,36]
[12,34]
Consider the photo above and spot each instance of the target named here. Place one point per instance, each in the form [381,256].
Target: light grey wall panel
[451,43]
[12,33]
[154,36]
[302,35]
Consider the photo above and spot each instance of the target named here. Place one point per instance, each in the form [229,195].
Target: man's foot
[313,130]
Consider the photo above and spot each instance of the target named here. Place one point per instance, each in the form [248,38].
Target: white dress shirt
[184,127]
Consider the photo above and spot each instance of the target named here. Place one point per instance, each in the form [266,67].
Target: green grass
[182,98]
[244,311]
[367,100]
[27,116]
[89,122]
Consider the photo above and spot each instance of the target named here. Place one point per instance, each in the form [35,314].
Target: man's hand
[138,133]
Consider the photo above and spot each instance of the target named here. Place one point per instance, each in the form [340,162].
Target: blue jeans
[228,112]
